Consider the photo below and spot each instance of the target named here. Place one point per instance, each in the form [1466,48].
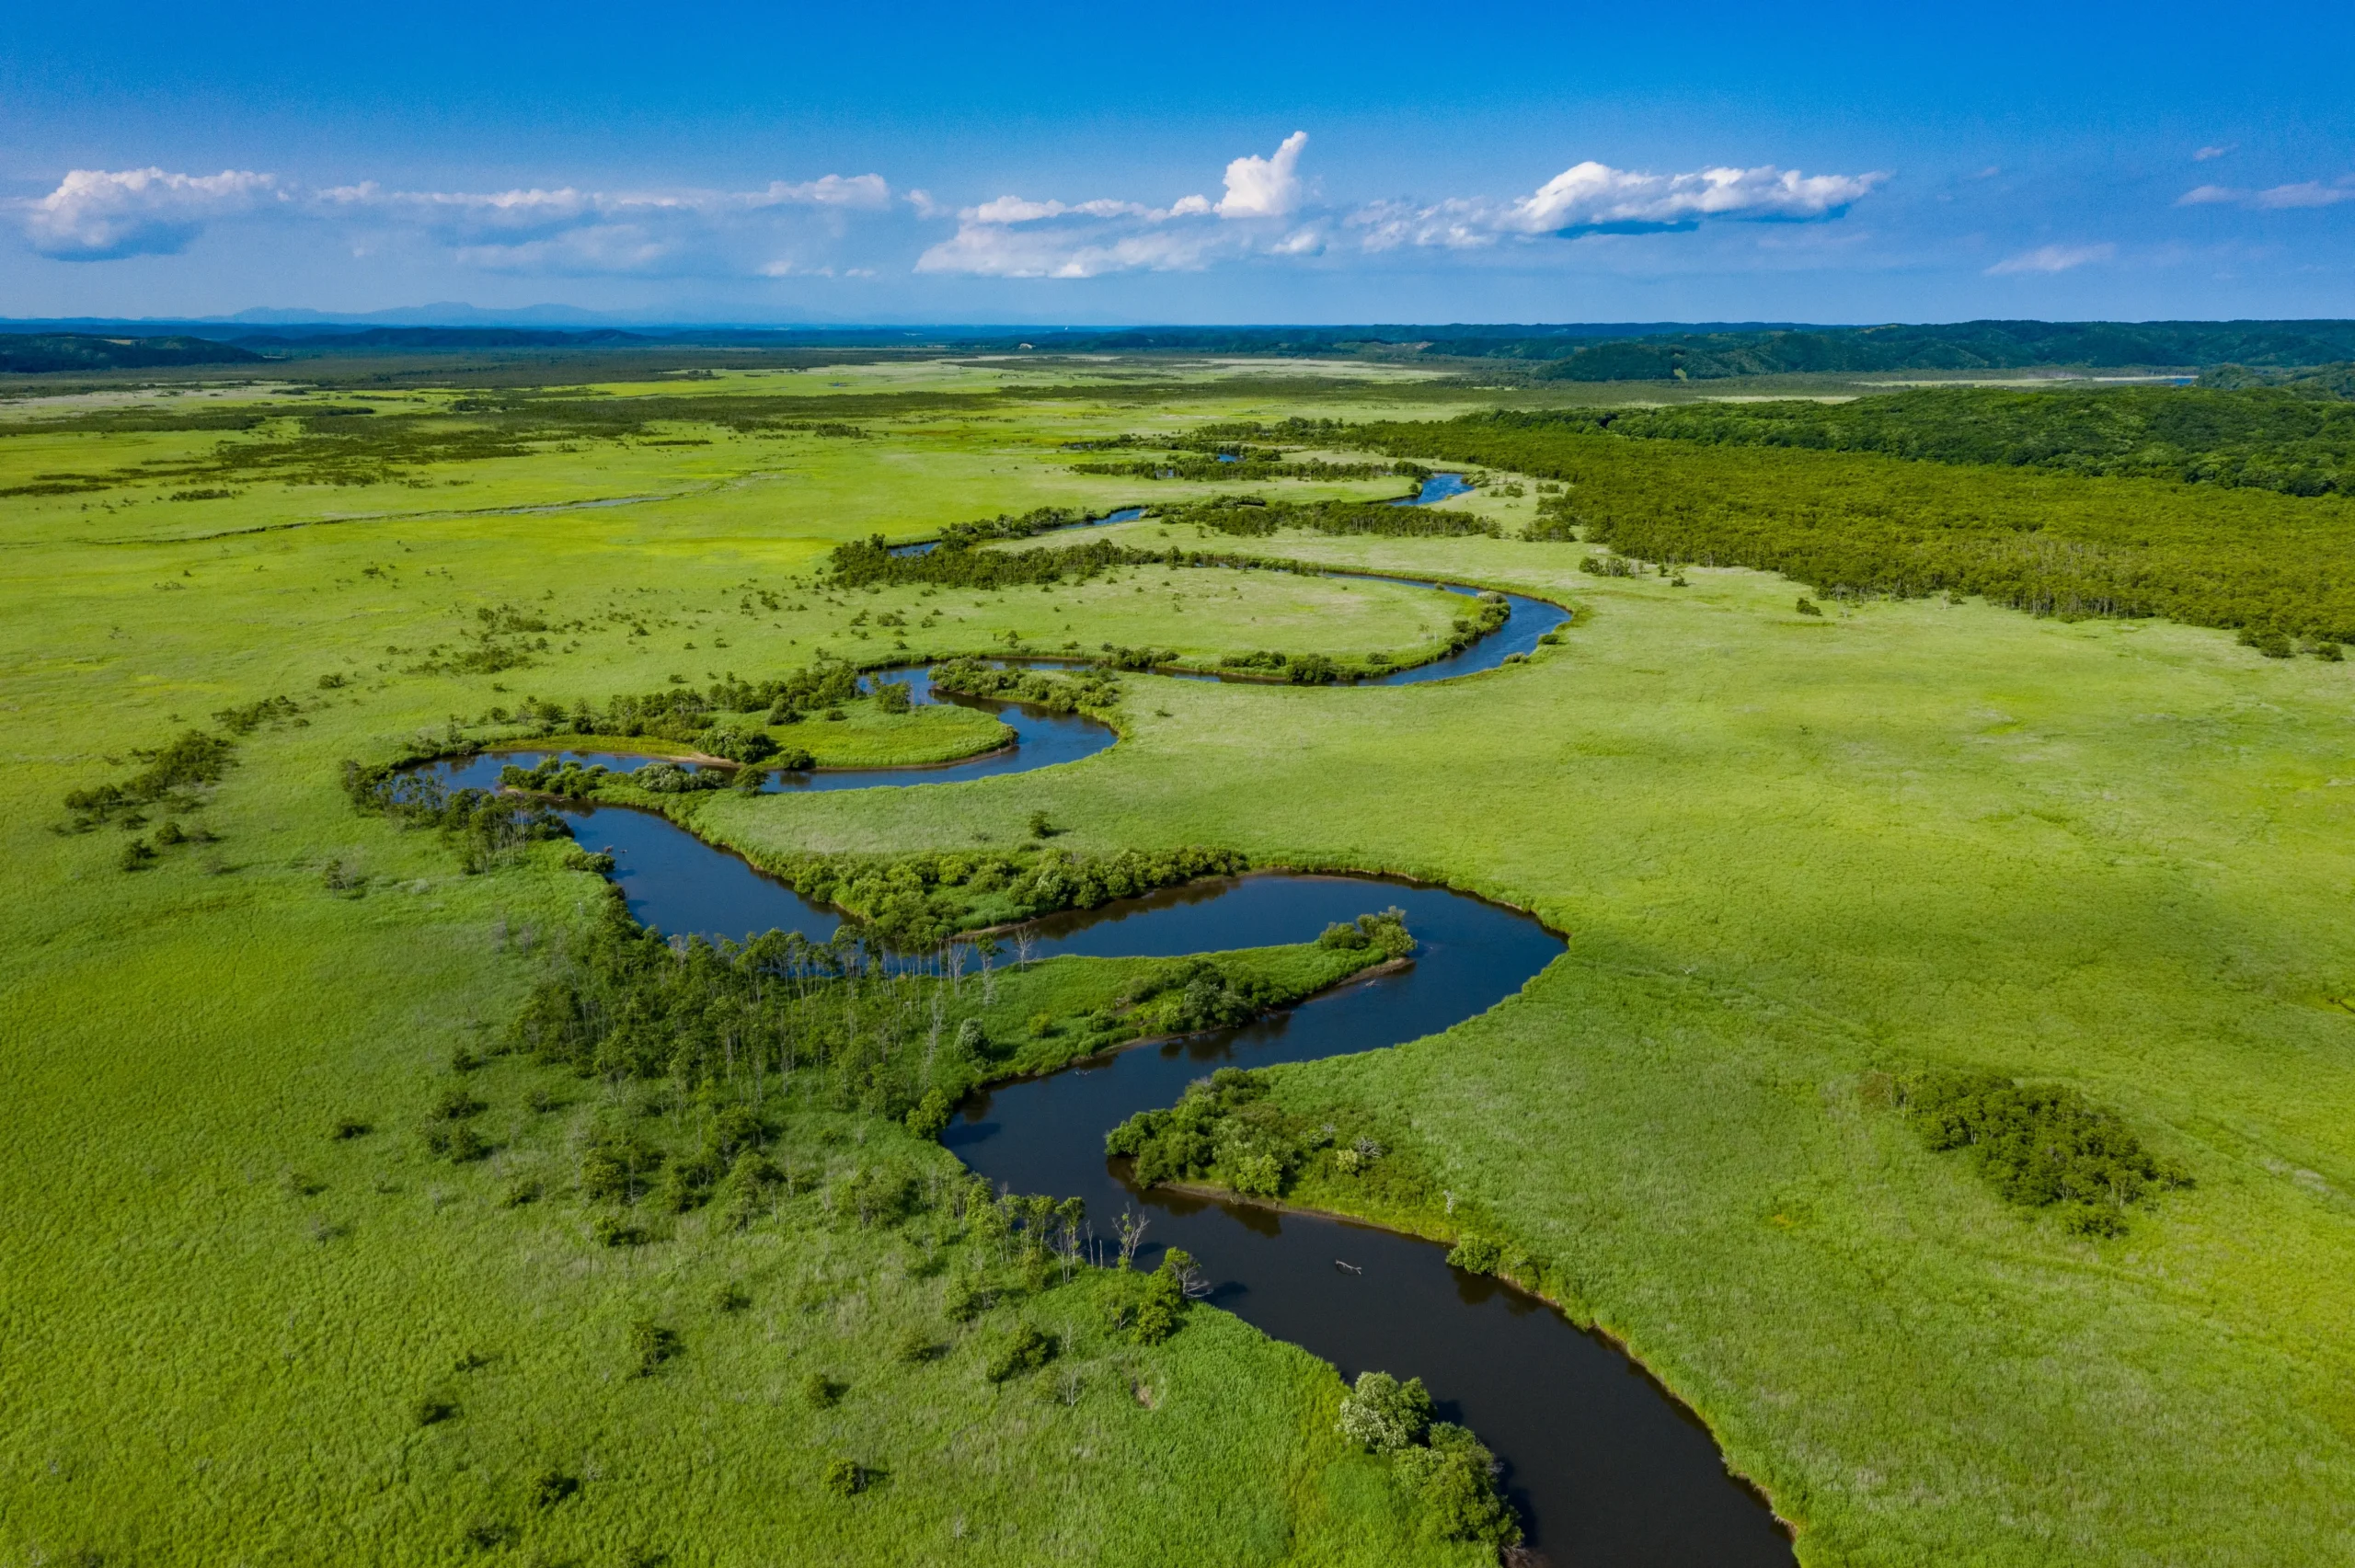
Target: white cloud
[1266,212]
[866,191]
[1265,188]
[1015,237]
[2279,198]
[2307,193]
[1590,198]
[2205,154]
[2051,259]
[97,214]
[1593,198]
[102,215]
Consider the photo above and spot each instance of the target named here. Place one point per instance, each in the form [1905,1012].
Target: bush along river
[1604,1466]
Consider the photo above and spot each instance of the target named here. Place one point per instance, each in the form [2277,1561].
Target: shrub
[1456,1479]
[350,1127]
[1808,606]
[652,1345]
[613,1231]
[1313,670]
[1476,1254]
[891,697]
[738,745]
[488,1535]
[930,1116]
[731,1297]
[1150,1307]
[822,1391]
[1256,1176]
[1382,1416]
[843,1478]
[137,855]
[455,1103]
[966,1299]
[551,1487]
[914,1346]
[432,1410]
[1024,1349]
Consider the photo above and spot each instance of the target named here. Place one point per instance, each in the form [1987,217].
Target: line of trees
[2271,439]
[2278,569]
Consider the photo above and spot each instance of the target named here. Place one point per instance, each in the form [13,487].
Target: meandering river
[1605,1467]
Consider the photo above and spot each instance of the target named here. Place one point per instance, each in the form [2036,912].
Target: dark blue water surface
[1605,1468]
[1438,488]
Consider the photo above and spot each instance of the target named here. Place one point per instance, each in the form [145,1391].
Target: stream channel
[1605,1467]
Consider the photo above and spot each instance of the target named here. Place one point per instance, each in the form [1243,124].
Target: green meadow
[1798,857]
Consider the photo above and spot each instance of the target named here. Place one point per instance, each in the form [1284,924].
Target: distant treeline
[51,351]
[1540,351]
[1664,351]
[2277,439]
[2278,569]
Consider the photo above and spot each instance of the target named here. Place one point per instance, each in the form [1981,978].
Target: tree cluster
[913,901]
[1442,1464]
[487,827]
[1090,690]
[2041,1145]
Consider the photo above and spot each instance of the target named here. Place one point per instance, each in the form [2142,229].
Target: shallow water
[1605,1468]
[1438,488]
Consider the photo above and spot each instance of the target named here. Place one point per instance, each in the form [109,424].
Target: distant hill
[447,338]
[36,353]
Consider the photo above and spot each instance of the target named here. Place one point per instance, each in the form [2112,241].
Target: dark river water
[1603,1465]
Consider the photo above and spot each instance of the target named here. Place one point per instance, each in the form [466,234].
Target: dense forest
[2273,439]
[36,353]
[2278,569]
[1664,351]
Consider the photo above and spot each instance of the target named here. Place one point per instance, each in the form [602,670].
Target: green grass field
[1791,853]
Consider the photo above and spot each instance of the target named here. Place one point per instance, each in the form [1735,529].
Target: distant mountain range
[1536,352]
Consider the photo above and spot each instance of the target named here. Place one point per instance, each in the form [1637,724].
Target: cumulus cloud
[97,214]
[1015,236]
[2051,259]
[1593,198]
[1265,188]
[1267,212]
[2279,198]
[104,215]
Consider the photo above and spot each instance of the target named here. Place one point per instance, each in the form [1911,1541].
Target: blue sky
[1206,164]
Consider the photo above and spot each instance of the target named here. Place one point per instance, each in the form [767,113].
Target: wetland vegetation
[1944,1092]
